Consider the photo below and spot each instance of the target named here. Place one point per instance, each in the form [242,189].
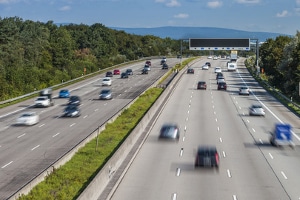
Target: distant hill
[198,32]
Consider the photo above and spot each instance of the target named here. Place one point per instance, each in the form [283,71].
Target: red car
[117,72]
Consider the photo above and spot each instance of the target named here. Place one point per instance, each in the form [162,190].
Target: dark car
[74,100]
[190,71]
[105,94]
[145,71]
[219,74]
[165,66]
[169,132]
[109,74]
[124,75]
[208,64]
[163,61]
[207,156]
[201,85]
[71,111]
[222,86]
[129,71]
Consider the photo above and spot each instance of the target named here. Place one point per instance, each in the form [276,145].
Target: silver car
[244,90]
[257,110]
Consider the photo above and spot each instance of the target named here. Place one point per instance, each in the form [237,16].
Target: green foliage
[70,179]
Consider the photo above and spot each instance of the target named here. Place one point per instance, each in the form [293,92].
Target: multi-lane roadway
[250,168]
[25,152]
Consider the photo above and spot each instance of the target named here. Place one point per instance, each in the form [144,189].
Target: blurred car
[256,109]
[165,66]
[169,131]
[148,62]
[42,101]
[105,94]
[201,85]
[28,119]
[208,64]
[207,156]
[220,79]
[106,81]
[215,58]
[124,75]
[222,86]
[244,90]
[109,74]
[129,71]
[205,67]
[117,72]
[219,74]
[162,62]
[147,67]
[209,57]
[218,69]
[74,100]
[190,71]
[71,111]
[64,93]
[144,71]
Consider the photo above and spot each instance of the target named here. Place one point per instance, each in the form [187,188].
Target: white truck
[231,66]
[45,98]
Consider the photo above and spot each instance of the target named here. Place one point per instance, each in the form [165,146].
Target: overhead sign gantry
[219,44]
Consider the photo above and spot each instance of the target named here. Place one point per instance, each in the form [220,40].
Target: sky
[276,16]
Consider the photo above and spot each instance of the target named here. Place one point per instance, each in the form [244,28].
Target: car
[205,67]
[109,74]
[207,156]
[222,86]
[147,67]
[64,93]
[219,74]
[256,109]
[218,69]
[117,72]
[148,62]
[244,90]
[105,94]
[165,66]
[201,85]
[106,81]
[124,75]
[129,71]
[190,71]
[220,79]
[169,131]
[28,119]
[144,71]
[162,62]
[209,57]
[215,58]
[42,101]
[74,100]
[71,111]
[208,64]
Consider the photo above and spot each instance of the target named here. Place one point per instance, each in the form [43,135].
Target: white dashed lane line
[6,164]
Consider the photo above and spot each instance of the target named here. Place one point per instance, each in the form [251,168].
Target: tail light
[217,157]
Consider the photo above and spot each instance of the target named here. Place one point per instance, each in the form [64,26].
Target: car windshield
[105,91]
[71,108]
[256,106]
[27,115]
[41,98]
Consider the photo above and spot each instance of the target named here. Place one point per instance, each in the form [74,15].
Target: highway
[25,152]
[250,168]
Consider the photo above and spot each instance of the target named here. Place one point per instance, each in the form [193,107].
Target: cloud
[214,4]
[7,1]
[65,8]
[248,1]
[298,2]
[181,16]
[284,13]
[169,3]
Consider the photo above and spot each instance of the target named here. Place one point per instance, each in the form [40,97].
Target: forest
[36,55]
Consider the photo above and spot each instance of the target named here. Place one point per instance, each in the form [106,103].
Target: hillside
[198,32]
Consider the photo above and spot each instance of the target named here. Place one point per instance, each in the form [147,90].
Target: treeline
[280,64]
[35,55]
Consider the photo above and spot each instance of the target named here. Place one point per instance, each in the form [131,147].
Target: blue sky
[278,16]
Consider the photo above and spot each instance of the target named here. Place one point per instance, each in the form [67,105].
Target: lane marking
[85,116]
[183,138]
[42,125]
[21,135]
[174,196]
[178,172]
[260,140]
[224,154]
[228,173]
[221,140]
[6,164]
[56,135]
[37,146]
[72,124]
[181,152]
[234,197]
[271,156]
[218,128]
[283,174]
[253,130]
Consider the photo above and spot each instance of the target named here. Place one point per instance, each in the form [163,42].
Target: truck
[231,66]
[233,56]
[282,135]
[45,98]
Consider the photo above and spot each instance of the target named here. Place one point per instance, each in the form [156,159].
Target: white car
[257,110]
[28,119]
[42,101]
[209,57]
[215,58]
[218,69]
[244,90]
[106,81]
[205,67]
